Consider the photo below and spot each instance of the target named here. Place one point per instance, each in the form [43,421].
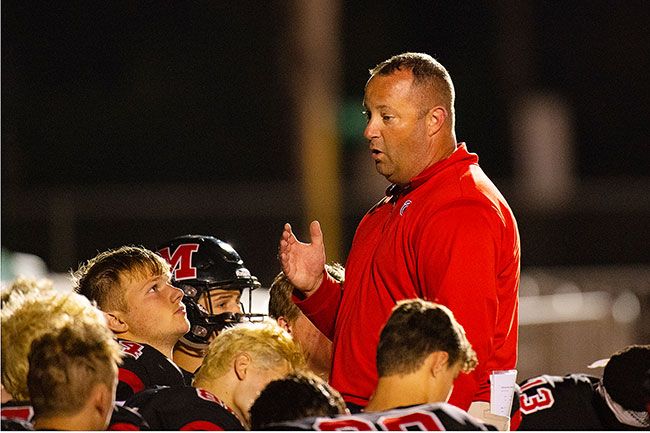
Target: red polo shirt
[451,239]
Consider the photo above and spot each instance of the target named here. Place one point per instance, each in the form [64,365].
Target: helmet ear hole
[189,291]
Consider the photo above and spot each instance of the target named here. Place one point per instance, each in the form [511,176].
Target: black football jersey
[126,418]
[425,417]
[145,367]
[15,425]
[184,408]
[17,410]
[568,402]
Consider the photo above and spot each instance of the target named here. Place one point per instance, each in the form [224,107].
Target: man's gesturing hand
[303,263]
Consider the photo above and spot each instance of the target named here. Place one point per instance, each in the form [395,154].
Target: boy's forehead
[142,273]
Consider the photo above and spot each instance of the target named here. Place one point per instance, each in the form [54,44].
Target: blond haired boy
[239,363]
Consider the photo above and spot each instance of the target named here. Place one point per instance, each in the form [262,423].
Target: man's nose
[371,131]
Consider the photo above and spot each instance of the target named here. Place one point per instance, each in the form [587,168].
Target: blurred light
[260,301]
[564,307]
[567,287]
[528,286]
[626,307]
[567,303]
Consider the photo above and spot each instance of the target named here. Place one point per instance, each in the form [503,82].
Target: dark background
[134,122]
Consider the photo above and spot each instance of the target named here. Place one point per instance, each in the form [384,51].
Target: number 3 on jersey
[542,399]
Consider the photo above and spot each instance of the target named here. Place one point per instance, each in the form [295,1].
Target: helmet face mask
[210,272]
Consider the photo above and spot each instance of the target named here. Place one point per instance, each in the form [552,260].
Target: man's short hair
[280,302]
[66,364]
[27,316]
[624,375]
[417,328]
[427,73]
[266,342]
[298,395]
[101,278]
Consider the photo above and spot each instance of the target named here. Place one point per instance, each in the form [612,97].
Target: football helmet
[200,265]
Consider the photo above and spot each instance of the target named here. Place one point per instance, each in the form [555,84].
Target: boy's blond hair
[24,284]
[65,365]
[26,317]
[267,344]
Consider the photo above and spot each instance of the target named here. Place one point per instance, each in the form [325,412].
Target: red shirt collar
[459,154]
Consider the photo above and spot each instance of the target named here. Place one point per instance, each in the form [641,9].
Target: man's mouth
[181,310]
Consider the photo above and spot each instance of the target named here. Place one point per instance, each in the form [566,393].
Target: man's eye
[386,117]
[153,288]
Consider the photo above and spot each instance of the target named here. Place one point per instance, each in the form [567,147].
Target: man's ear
[284,323]
[438,362]
[115,322]
[436,117]
[241,364]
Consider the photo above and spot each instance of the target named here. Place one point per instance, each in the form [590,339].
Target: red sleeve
[458,258]
[323,305]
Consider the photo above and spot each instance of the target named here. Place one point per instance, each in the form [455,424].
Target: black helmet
[199,265]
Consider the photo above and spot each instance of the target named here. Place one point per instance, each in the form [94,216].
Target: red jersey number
[350,424]
[422,421]
[131,348]
[542,399]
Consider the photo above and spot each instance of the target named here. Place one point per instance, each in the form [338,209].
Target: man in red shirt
[443,233]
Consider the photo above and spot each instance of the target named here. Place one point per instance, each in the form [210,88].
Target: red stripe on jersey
[123,426]
[131,379]
[201,425]
[23,413]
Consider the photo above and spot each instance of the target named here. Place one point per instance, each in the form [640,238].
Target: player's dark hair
[280,302]
[417,328]
[99,278]
[298,395]
[624,376]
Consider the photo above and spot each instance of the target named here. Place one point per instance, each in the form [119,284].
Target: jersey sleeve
[131,379]
[125,418]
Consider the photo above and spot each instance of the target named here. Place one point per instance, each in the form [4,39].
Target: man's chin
[381,170]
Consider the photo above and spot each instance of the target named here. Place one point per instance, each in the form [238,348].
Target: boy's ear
[115,322]
[241,364]
[102,399]
[284,324]
[439,361]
